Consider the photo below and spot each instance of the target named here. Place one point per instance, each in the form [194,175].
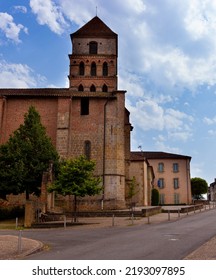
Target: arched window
[105,69]
[93,47]
[105,88]
[93,69]
[92,88]
[82,69]
[87,149]
[81,88]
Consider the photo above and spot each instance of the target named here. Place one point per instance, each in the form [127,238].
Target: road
[171,240]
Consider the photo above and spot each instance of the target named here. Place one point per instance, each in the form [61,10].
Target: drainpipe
[3,116]
[104,152]
[69,128]
[188,178]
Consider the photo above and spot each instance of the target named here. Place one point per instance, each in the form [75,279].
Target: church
[88,118]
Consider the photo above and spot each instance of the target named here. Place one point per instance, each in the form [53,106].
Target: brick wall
[16,107]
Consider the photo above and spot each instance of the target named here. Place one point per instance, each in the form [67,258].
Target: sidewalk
[10,244]
[11,250]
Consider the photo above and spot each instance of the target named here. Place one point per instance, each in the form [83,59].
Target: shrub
[11,212]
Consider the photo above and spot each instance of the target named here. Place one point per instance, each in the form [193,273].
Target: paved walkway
[11,249]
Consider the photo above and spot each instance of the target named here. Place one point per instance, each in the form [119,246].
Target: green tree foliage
[154,197]
[199,186]
[76,178]
[25,157]
[132,190]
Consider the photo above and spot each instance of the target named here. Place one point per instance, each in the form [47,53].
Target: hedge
[11,212]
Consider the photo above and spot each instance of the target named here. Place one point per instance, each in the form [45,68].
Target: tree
[132,190]
[25,157]
[198,187]
[76,178]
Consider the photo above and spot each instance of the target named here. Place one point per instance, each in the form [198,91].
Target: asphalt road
[171,240]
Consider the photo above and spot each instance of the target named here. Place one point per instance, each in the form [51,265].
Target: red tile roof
[156,155]
[94,28]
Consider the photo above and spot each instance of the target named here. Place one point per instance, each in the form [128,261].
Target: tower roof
[94,28]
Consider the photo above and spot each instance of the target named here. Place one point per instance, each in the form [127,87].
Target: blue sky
[167,64]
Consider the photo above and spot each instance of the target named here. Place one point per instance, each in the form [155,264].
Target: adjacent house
[212,191]
[172,176]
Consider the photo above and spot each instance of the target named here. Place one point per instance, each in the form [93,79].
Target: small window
[176,183]
[175,167]
[105,69]
[93,47]
[105,88]
[87,149]
[80,88]
[82,69]
[92,88]
[84,106]
[160,183]
[93,69]
[160,167]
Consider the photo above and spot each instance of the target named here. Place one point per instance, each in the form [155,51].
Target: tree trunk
[27,194]
[75,208]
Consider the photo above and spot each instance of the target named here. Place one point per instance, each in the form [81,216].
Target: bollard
[65,222]
[179,213]
[113,220]
[132,218]
[168,215]
[187,211]
[20,242]
[194,209]
[148,219]
[16,223]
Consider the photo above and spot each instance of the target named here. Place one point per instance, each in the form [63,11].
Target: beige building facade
[172,177]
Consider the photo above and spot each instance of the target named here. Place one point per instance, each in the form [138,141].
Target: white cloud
[173,56]
[197,170]
[200,18]
[212,132]
[148,115]
[21,9]
[11,29]
[163,146]
[209,121]
[130,82]
[17,76]
[79,11]
[130,6]
[165,53]
[174,119]
[50,14]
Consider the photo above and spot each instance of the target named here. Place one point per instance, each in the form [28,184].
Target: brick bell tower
[93,62]
[97,121]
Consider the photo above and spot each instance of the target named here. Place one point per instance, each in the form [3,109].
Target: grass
[11,224]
